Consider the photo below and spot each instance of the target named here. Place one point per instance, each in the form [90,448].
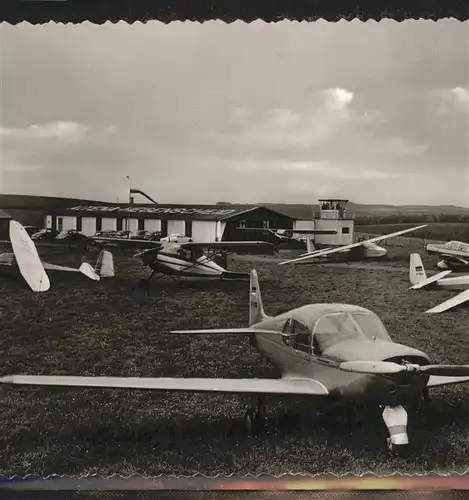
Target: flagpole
[127,224]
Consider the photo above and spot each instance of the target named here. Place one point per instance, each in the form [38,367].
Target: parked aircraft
[365,249]
[454,255]
[336,353]
[25,260]
[418,278]
[188,259]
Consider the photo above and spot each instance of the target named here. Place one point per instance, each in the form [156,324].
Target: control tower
[333,216]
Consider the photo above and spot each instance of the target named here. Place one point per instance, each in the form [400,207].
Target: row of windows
[120,221]
[243,224]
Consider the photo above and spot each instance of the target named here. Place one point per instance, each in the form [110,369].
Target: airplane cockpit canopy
[333,328]
[457,245]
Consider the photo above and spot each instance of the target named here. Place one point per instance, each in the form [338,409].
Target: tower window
[345,230]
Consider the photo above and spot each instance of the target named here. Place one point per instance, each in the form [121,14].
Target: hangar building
[204,222]
[201,222]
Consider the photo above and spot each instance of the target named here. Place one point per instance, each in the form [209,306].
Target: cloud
[61,130]
[110,130]
[53,130]
[405,147]
[453,100]
[324,106]
[283,128]
[309,170]
[337,99]
[461,94]
[20,168]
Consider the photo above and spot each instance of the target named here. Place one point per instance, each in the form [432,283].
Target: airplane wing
[438,381]
[314,252]
[353,245]
[227,385]
[127,242]
[311,231]
[233,245]
[431,279]
[293,231]
[454,258]
[229,331]
[450,303]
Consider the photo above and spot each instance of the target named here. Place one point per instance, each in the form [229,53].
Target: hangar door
[132,225]
[203,230]
[66,222]
[176,227]
[152,225]
[109,224]
[88,225]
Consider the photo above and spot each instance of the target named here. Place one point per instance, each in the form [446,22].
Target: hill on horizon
[297,210]
[361,210]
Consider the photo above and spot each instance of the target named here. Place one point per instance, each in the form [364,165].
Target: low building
[4,225]
[200,222]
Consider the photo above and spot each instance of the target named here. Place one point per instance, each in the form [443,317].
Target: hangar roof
[197,212]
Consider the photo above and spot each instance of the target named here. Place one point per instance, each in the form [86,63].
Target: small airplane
[337,353]
[26,260]
[418,278]
[454,255]
[187,259]
[366,249]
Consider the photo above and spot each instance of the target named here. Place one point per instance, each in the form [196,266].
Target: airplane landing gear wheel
[397,450]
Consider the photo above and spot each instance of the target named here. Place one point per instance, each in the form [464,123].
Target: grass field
[117,328]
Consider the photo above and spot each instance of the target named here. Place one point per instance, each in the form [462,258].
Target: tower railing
[333,215]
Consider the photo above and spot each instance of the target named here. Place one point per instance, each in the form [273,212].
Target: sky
[376,113]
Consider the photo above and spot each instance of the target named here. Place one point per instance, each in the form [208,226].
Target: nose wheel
[395,418]
[397,450]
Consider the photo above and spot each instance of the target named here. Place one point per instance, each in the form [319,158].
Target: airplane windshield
[457,245]
[371,326]
[334,328]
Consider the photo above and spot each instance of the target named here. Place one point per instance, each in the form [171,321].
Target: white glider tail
[418,278]
[256,308]
[105,265]
[27,258]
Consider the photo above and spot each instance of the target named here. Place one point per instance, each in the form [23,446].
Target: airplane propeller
[387,367]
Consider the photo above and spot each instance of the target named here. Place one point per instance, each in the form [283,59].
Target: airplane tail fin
[256,308]
[416,270]
[105,264]
[27,258]
[88,271]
